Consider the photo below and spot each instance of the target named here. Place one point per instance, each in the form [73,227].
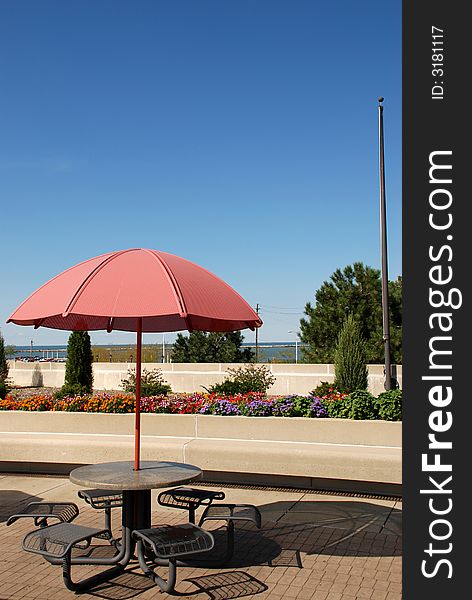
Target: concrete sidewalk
[311,546]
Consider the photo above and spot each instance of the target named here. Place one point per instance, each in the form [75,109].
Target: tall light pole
[163,348]
[383,249]
[296,344]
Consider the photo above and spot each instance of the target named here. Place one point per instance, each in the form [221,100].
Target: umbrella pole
[137,428]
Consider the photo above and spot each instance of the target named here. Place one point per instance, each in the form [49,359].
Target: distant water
[268,351]
[276,351]
[39,352]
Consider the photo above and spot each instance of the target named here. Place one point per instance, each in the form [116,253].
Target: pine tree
[201,347]
[3,362]
[356,289]
[79,373]
[350,358]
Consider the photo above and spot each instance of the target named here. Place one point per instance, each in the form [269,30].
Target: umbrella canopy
[137,290]
[114,290]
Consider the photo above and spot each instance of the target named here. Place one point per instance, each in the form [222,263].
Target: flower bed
[359,405]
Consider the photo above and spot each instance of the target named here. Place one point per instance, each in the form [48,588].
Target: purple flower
[318,409]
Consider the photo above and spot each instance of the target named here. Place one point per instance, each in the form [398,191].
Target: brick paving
[310,547]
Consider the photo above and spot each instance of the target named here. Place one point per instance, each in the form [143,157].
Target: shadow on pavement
[227,585]
[123,587]
[11,501]
[291,532]
[334,527]
[218,586]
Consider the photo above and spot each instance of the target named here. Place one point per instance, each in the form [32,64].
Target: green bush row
[363,405]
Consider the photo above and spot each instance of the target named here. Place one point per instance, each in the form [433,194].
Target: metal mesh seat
[232,512]
[55,541]
[102,499]
[188,499]
[175,541]
[65,512]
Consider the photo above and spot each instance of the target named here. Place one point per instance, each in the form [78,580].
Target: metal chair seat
[232,512]
[64,512]
[56,541]
[102,499]
[190,499]
[175,541]
[167,544]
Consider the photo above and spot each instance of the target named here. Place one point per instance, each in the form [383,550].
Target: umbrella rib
[175,286]
[10,320]
[89,277]
[39,322]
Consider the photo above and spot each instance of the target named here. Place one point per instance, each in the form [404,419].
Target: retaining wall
[190,377]
[313,453]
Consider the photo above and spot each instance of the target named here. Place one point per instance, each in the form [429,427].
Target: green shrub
[152,383]
[324,389]
[228,387]
[3,390]
[350,358]
[390,405]
[357,405]
[338,408]
[301,406]
[79,371]
[70,391]
[249,378]
[363,405]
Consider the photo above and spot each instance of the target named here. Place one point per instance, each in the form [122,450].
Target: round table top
[122,476]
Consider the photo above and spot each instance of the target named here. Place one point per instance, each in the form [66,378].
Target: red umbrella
[136,290]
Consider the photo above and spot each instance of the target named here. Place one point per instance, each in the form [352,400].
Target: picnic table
[119,484]
[136,486]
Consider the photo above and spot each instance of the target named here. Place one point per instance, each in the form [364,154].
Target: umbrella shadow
[338,528]
[251,547]
[329,527]
[13,501]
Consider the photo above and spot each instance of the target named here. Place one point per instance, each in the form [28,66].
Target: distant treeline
[151,353]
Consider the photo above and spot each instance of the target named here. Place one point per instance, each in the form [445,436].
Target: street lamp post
[163,348]
[383,251]
[257,336]
[296,344]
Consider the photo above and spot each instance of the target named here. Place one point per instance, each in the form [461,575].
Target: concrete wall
[305,451]
[190,377]
[277,429]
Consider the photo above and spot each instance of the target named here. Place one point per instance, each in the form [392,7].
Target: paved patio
[311,546]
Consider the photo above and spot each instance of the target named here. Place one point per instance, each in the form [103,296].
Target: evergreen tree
[350,358]
[355,290]
[3,362]
[202,347]
[79,373]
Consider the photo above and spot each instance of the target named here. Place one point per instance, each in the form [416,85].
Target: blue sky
[241,135]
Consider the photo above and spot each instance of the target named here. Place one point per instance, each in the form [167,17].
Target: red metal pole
[137,429]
